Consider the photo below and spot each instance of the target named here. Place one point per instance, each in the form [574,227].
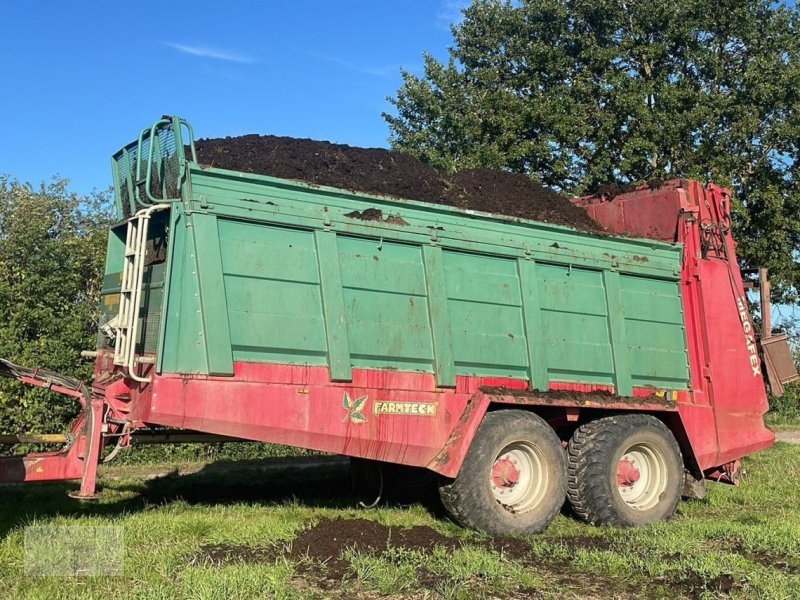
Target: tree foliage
[52,253]
[579,93]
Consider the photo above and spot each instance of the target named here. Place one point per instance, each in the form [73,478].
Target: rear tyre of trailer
[514,476]
[624,470]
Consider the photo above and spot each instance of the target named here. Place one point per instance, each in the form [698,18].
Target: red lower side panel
[383,415]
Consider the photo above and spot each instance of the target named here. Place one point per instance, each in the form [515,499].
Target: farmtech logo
[417,409]
[354,406]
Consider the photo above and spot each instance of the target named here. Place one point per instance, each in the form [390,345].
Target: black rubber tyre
[376,482]
[596,453]
[527,441]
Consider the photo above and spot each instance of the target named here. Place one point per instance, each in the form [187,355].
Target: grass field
[230,531]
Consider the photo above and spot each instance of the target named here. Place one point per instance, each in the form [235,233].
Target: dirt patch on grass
[317,556]
[695,584]
[390,173]
[765,559]
[773,562]
[325,542]
[330,536]
[216,555]
[318,552]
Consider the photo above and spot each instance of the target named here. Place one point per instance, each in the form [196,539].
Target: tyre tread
[588,454]
[463,497]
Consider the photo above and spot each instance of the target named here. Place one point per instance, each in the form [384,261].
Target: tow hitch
[80,454]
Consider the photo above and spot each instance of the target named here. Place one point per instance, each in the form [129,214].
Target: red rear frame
[723,415]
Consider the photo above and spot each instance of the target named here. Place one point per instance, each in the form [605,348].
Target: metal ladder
[126,325]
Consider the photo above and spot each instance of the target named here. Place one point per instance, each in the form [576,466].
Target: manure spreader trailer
[520,363]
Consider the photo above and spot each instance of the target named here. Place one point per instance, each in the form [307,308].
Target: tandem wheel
[624,470]
[513,479]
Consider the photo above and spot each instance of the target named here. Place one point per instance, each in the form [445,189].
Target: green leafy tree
[580,93]
[52,252]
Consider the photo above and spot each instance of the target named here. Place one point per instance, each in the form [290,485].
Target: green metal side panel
[384,292]
[617,332]
[300,279]
[485,305]
[655,332]
[439,313]
[532,318]
[272,288]
[213,301]
[330,283]
[184,342]
[575,324]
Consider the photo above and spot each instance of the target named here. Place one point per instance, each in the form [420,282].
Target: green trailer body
[274,271]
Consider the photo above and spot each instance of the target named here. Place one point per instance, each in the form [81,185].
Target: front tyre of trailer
[624,470]
[514,476]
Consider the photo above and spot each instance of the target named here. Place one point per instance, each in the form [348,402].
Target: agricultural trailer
[518,363]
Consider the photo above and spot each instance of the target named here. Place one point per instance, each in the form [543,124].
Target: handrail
[153,137]
[176,123]
[133,159]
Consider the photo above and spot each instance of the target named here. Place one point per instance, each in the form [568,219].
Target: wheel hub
[627,473]
[518,477]
[642,476]
[504,473]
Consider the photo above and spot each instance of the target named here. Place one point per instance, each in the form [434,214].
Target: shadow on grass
[328,484]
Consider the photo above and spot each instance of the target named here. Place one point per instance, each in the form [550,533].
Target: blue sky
[81,78]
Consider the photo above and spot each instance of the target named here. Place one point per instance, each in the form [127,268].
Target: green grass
[782,420]
[748,537]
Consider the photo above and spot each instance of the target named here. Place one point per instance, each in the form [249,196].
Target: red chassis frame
[79,458]
[404,418]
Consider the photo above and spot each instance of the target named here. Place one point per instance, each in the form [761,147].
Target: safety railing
[152,169]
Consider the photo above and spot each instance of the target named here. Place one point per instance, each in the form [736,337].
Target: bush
[52,255]
[787,407]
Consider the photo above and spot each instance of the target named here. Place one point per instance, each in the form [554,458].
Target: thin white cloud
[373,70]
[450,12]
[209,52]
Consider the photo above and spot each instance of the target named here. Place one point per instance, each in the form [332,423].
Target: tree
[580,93]
[52,253]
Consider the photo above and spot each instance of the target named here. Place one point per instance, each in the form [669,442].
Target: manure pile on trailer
[390,173]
